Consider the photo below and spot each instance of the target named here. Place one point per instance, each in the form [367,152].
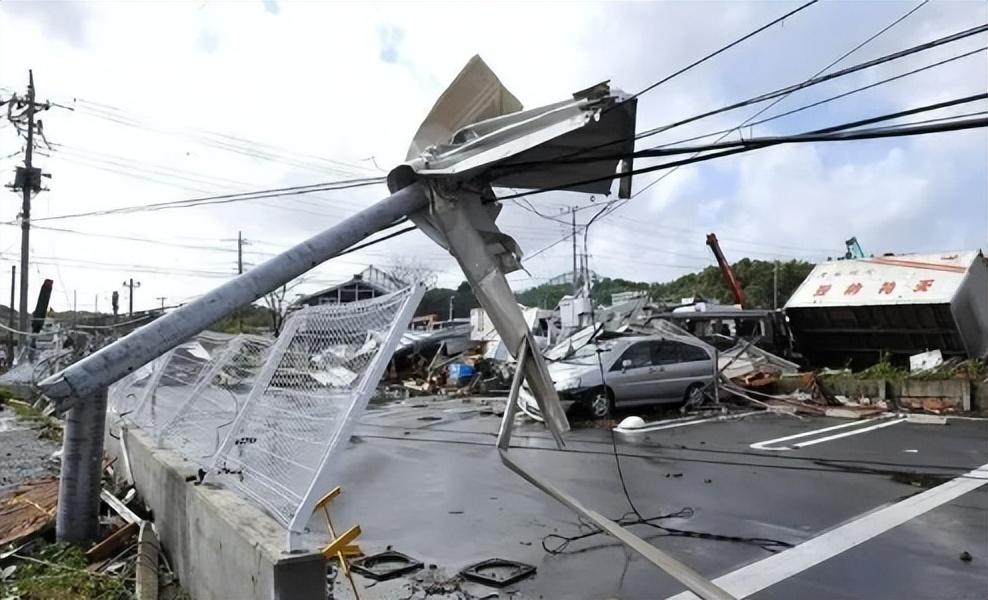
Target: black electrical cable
[825,100]
[758,143]
[820,79]
[723,49]
[666,150]
[782,92]
[226,198]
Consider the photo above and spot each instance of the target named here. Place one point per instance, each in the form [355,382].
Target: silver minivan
[631,371]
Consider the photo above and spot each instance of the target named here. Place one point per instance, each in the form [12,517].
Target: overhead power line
[828,99]
[759,112]
[820,79]
[723,49]
[223,141]
[228,198]
[829,134]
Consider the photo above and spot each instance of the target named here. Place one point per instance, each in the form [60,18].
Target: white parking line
[860,428]
[674,423]
[757,576]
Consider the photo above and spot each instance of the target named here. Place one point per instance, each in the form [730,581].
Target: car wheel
[694,395]
[601,403]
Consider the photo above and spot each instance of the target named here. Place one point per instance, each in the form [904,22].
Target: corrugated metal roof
[885,280]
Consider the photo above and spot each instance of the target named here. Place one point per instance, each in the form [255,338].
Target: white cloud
[348,81]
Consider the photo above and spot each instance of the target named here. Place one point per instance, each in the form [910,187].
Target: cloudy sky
[166,101]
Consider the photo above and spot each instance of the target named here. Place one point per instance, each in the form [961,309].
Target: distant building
[370,283]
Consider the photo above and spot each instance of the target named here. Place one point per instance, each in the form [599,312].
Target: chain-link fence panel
[176,378]
[127,394]
[204,418]
[319,376]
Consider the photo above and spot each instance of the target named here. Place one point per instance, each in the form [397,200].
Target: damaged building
[857,311]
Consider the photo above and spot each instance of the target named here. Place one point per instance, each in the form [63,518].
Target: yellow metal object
[338,544]
[340,547]
[329,497]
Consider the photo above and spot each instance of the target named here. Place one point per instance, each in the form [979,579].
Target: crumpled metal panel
[554,146]
[475,95]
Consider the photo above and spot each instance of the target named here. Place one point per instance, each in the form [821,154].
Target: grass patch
[58,572]
[48,428]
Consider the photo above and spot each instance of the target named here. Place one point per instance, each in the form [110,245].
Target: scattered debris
[966,556]
[498,572]
[112,543]
[28,510]
[385,565]
[924,361]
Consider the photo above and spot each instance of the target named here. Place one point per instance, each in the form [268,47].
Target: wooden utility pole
[131,284]
[162,298]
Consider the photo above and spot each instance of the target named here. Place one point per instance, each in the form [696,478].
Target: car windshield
[587,354]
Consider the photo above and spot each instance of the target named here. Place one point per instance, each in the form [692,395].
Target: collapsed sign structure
[900,305]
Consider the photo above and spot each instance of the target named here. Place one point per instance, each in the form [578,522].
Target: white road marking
[895,421]
[760,575]
[660,425]
[858,424]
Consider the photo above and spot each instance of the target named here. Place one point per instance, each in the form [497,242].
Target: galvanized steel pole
[77,520]
[97,371]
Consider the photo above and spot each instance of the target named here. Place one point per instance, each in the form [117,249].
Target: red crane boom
[730,279]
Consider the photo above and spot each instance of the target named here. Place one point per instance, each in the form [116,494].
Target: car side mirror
[625,364]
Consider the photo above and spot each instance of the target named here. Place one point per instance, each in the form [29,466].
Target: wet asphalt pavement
[23,455]
[424,478]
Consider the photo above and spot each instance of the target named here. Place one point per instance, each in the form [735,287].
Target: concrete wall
[979,400]
[948,394]
[220,546]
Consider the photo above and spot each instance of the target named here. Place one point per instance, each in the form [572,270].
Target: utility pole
[131,284]
[451,307]
[240,271]
[240,253]
[576,279]
[10,317]
[28,181]
[775,285]
[162,298]
[96,304]
[75,308]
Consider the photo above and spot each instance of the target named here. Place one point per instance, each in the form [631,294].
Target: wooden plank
[113,542]
[28,510]
[147,563]
[119,507]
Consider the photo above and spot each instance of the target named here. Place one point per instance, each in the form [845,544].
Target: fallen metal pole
[77,520]
[97,371]
[698,584]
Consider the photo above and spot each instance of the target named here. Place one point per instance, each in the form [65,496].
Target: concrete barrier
[949,395]
[220,546]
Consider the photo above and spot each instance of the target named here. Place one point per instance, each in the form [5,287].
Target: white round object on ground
[631,423]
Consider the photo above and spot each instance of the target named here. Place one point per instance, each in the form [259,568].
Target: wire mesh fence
[175,379]
[264,415]
[319,374]
[204,417]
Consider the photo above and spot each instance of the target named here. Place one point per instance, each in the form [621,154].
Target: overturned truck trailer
[857,310]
